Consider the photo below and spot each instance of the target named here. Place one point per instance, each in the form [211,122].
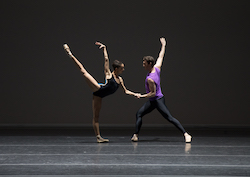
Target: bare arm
[128,92]
[152,89]
[79,65]
[107,71]
[161,54]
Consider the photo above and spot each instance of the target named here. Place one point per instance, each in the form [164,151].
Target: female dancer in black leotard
[113,80]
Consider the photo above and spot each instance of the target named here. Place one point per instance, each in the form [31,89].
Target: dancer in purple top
[156,98]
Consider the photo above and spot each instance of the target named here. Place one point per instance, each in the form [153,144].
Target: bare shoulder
[150,81]
[157,66]
[108,75]
[120,78]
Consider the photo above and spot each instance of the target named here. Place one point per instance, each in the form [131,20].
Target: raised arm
[161,54]
[106,59]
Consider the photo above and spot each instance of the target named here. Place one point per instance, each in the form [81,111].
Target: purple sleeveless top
[156,78]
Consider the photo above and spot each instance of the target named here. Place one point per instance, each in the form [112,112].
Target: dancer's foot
[66,48]
[101,139]
[134,138]
[188,138]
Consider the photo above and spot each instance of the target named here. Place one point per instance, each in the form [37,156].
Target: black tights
[162,108]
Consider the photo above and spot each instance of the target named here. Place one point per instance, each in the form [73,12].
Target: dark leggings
[162,108]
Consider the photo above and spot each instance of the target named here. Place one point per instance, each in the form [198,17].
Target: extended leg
[145,109]
[93,84]
[162,108]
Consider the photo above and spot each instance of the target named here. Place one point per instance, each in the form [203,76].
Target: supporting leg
[145,109]
[97,103]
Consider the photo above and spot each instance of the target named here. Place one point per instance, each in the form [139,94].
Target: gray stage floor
[160,151]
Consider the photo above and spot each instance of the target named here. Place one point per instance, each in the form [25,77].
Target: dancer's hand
[138,95]
[100,44]
[163,41]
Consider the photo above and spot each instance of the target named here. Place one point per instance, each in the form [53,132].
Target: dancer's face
[120,69]
[146,65]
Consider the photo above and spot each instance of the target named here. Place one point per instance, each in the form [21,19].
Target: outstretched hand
[100,45]
[138,95]
[163,41]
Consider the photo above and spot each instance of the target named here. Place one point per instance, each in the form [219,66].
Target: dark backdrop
[205,76]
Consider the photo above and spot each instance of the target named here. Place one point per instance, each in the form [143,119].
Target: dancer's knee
[168,118]
[95,119]
[138,114]
[83,71]
[172,120]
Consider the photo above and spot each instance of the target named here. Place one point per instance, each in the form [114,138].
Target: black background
[205,76]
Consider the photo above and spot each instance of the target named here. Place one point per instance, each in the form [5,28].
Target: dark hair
[117,64]
[149,59]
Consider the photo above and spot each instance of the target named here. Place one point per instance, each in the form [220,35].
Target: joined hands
[137,95]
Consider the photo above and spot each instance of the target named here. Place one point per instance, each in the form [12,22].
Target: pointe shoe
[134,138]
[66,48]
[101,139]
[188,138]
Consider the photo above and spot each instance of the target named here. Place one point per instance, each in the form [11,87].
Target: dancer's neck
[115,74]
[151,70]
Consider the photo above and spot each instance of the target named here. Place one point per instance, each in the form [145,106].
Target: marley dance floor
[214,151]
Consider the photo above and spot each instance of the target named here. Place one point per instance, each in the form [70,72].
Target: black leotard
[108,88]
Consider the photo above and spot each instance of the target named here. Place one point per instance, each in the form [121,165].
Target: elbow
[128,92]
[151,95]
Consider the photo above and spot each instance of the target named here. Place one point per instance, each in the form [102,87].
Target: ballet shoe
[101,139]
[188,138]
[66,48]
[134,138]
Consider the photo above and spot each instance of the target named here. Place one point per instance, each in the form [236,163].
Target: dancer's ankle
[134,137]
